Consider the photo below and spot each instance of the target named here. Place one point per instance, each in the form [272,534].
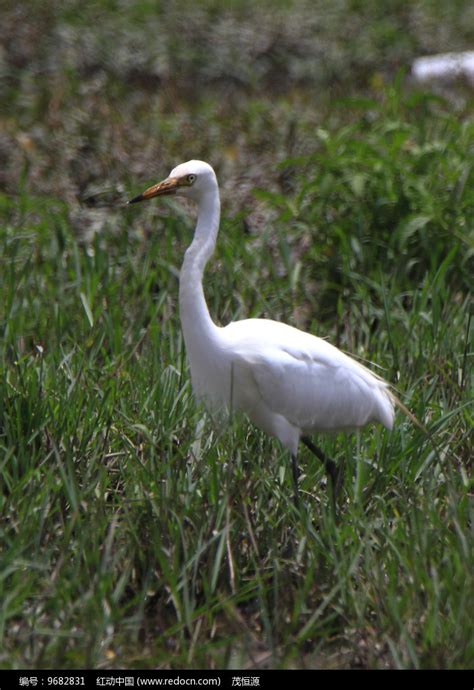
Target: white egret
[289,383]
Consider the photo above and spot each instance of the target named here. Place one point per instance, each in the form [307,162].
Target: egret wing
[324,391]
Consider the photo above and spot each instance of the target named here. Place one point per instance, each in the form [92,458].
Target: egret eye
[191,178]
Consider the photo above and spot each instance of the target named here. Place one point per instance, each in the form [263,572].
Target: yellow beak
[168,186]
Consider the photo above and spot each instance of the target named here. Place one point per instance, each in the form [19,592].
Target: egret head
[191,180]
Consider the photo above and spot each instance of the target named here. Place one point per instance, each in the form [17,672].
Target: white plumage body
[288,382]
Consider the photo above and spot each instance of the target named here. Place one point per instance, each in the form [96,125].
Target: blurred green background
[116,91]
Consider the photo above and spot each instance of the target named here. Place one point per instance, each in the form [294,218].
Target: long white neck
[198,327]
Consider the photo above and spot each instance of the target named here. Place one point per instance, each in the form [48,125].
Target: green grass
[136,533]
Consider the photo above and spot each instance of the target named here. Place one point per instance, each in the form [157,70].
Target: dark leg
[330,466]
